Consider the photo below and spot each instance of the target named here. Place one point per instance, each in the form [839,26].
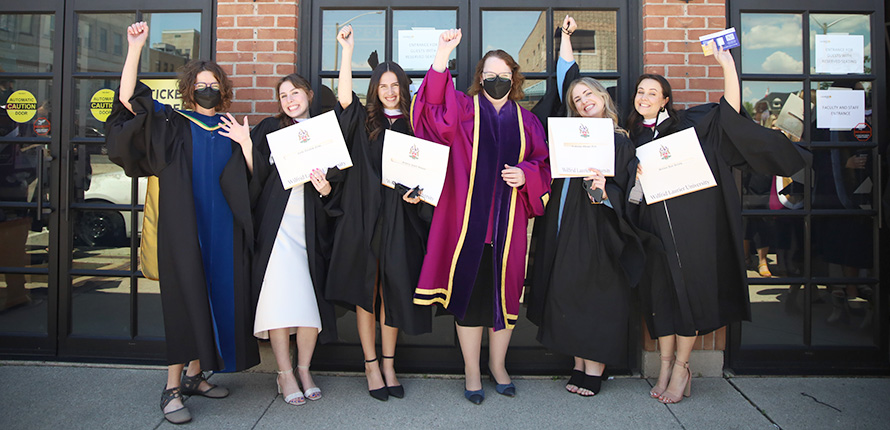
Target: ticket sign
[100,104]
[839,53]
[21,106]
[165,91]
[840,109]
[417,48]
[726,39]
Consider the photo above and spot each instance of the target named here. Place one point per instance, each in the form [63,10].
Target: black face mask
[497,87]
[208,98]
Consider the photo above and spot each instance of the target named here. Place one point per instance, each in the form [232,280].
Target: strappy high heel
[381,393]
[397,391]
[656,392]
[313,393]
[669,398]
[295,398]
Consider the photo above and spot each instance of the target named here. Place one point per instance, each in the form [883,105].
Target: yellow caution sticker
[21,106]
[100,104]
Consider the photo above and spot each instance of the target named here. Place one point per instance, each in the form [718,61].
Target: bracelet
[566,31]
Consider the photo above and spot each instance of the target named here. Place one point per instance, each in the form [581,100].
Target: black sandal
[179,416]
[191,384]
[576,379]
[591,383]
[381,393]
[396,391]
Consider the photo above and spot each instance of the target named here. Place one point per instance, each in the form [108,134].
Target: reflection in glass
[26,43]
[841,24]
[23,301]
[32,99]
[406,20]
[776,316]
[369,27]
[534,91]
[173,40]
[100,306]
[842,246]
[93,32]
[843,315]
[520,33]
[863,131]
[92,105]
[843,178]
[773,246]
[771,43]
[359,87]
[148,305]
[595,42]
[776,105]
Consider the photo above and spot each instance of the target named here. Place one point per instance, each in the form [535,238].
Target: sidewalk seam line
[762,412]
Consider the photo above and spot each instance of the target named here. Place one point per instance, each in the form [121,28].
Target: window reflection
[841,24]
[173,40]
[92,105]
[863,130]
[93,32]
[369,27]
[520,33]
[771,43]
[844,314]
[148,302]
[777,105]
[23,302]
[406,21]
[100,306]
[595,42]
[843,178]
[27,107]
[775,316]
[26,43]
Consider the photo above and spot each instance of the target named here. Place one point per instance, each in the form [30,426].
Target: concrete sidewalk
[64,396]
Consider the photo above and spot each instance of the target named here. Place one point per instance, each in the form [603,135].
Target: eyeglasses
[203,85]
[492,75]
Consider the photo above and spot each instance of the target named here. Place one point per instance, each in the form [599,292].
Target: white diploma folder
[674,165]
[579,144]
[413,162]
[316,143]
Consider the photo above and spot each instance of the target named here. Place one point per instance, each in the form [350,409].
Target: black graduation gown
[376,224]
[580,279]
[268,212]
[695,279]
[160,143]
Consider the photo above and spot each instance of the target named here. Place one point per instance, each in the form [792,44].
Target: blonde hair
[609,110]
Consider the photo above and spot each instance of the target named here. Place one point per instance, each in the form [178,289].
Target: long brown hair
[298,82]
[376,122]
[634,119]
[597,87]
[188,76]
[516,92]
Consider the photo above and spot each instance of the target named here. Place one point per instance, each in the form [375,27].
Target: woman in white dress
[290,259]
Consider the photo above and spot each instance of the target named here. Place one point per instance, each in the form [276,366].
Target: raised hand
[723,57]
[448,40]
[345,37]
[233,130]
[569,25]
[137,34]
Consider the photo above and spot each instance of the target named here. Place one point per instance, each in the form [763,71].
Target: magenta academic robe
[475,200]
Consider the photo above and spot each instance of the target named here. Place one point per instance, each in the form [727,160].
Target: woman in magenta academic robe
[498,177]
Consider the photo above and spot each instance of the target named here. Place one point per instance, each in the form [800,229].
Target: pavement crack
[751,402]
[820,402]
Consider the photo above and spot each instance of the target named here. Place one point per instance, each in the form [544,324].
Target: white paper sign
[840,109]
[839,53]
[579,144]
[417,48]
[674,165]
[312,144]
[414,162]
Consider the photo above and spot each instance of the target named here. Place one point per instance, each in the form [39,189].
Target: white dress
[287,297]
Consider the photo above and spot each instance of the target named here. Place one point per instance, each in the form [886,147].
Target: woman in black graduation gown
[294,235]
[203,161]
[587,256]
[695,280]
[380,238]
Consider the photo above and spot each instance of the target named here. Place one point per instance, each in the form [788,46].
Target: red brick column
[256,44]
[671,29]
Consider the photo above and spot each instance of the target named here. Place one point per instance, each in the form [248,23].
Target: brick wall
[671,29]
[256,44]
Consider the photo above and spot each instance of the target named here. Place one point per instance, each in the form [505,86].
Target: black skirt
[480,309]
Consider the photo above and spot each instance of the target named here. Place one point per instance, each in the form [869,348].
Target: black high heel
[381,393]
[396,391]
[591,383]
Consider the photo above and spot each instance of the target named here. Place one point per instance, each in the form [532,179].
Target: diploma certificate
[312,144]
[674,165]
[414,162]
[579,144]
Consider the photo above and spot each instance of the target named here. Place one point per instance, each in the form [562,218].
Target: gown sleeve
[552,104]
[141,142]
[536,192]
[262,163]
[439,110]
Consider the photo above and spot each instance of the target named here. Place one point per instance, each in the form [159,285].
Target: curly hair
[609,110]
[188,76]
[376,122]
[634,119]
[298,82]
[516,92]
